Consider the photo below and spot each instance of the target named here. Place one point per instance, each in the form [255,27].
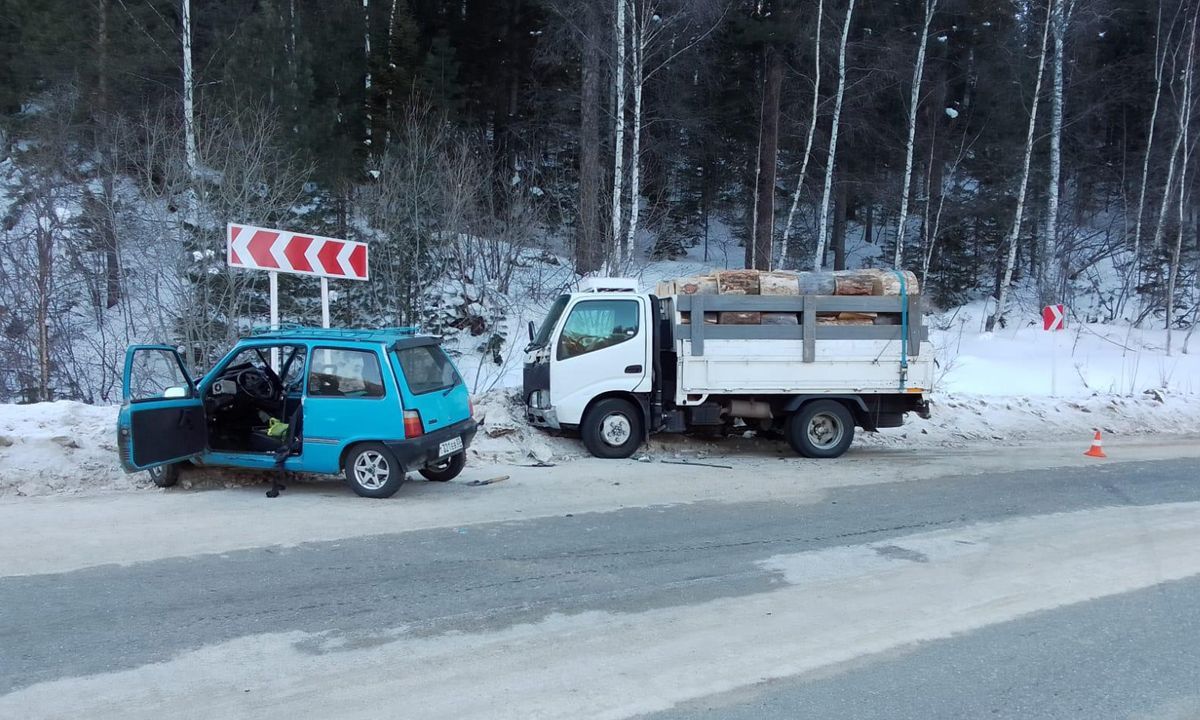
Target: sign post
[1054,320]
[276,251]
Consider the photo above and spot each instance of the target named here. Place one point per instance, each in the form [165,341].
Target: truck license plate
[452,445]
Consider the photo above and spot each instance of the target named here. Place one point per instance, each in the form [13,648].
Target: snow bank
[1088,358]
[60,447]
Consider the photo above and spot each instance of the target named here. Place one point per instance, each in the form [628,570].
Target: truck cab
[373,405]
[590,345]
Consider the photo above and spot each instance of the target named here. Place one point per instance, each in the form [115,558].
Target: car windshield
[552,315]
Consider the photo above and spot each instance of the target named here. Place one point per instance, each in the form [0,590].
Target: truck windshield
[552,316]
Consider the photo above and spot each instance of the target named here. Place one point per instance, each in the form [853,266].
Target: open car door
[162,418]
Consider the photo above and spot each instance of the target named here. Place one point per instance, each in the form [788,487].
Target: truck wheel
[447,469]
[164,476]
[821,429]
[612,429]
[372,471]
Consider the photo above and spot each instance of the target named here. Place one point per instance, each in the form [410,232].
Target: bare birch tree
[914,101]
[1185,121]
[1133,276]
[615,253]
[189,111]
[1049,267]
[788,252]
[823,214]
[1015,232]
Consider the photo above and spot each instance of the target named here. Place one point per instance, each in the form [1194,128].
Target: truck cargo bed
[807,357]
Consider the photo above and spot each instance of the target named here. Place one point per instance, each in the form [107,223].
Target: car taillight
[470,407]
[412,424]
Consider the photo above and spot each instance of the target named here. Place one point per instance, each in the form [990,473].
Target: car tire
[821,429]
[612,429]
[447,470]
[372,471]
[164,476]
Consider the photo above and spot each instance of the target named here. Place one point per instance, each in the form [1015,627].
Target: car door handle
[633,369]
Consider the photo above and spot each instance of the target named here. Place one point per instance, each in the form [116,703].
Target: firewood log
[887,283]
[780,318]
[699,285]
[738,282]
[778,283]
[739,317]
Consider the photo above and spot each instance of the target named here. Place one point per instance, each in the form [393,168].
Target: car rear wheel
[821,429]
[164,475]
[372,471]
[612,428]
[447,469]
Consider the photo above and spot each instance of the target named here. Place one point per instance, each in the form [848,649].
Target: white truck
[616,365]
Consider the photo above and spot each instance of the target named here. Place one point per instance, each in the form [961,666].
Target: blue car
[373,405]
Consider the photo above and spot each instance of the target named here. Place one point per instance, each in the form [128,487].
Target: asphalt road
[1044,644]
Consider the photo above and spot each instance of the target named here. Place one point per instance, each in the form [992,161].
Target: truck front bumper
[542,417]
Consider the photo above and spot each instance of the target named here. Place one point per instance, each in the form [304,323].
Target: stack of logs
[758,282]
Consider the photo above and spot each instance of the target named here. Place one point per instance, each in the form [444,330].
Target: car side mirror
[531,331]
[176,392]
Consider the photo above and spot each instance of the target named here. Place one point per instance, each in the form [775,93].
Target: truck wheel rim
[371,470]
[824,430]
[615,429]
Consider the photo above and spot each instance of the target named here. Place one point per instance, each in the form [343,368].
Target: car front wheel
[447,469]
[372,471]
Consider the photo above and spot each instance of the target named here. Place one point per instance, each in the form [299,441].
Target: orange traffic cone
[1096,450]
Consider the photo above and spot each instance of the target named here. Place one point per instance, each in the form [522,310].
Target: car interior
[248,401]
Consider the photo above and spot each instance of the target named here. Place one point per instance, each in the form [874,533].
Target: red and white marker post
[277,251]
[1054,319]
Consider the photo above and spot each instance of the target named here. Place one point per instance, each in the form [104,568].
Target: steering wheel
[256,383]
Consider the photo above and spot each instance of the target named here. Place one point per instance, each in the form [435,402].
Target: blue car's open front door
[162,418]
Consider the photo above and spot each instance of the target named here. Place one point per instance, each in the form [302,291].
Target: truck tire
[447,470]
[612,428]
[372,471]
[821,429]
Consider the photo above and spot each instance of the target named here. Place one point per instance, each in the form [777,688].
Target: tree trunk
[1050,275]
[1185,121]
[189,113]
[368,139]
[1133,276]
[839,226]
[914,101]
[792,254]
[635,160]
[589,254]
[618,130]
[823,215]
[759,251]
[1015,231]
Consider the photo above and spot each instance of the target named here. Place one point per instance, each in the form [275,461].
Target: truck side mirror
[531,331]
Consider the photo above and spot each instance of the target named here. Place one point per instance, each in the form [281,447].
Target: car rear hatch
[430,383]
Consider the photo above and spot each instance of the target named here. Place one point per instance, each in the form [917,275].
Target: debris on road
[489,481]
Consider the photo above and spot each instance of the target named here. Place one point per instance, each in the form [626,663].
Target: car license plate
[452,445]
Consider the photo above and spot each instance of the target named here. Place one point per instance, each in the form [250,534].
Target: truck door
[601,347]
[162,418]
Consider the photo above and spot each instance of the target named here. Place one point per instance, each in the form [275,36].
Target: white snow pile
[60,447]
[504,436]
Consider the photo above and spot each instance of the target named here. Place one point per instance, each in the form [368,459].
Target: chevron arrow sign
[258,248]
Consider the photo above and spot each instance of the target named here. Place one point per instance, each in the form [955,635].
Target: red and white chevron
[289,252]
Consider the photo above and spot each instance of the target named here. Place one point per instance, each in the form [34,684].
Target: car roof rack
[294,330]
